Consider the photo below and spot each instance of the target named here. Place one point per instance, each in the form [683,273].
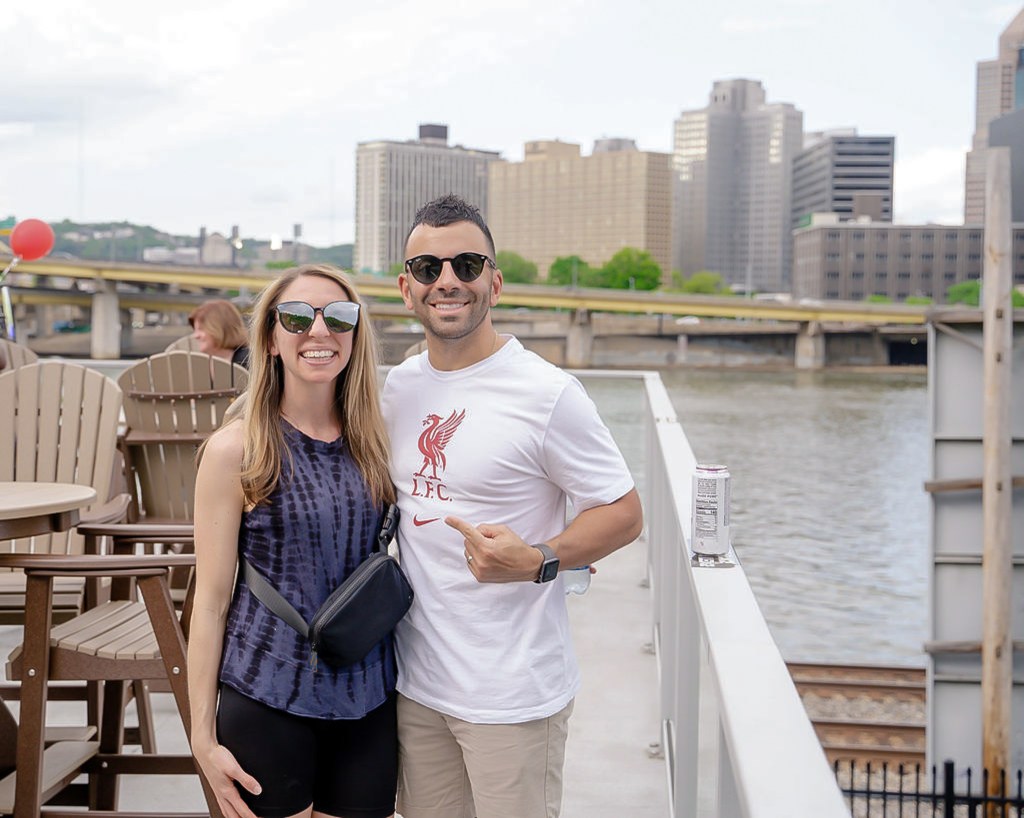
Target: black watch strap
[549,567]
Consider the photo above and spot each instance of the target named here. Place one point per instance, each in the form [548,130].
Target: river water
[830,518]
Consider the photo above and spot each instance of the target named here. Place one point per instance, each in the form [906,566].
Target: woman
[219,330]
[296,484]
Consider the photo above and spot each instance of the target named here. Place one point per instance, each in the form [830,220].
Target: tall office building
[1000,91]
[733,167]
[1008,132]
[842,173]
[557,202]
[394,179]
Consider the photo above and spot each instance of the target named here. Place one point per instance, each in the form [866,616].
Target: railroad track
[860,712]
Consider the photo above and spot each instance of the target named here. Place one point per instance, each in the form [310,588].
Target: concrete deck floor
[609,771]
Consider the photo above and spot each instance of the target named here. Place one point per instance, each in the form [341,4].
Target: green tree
[630,269]
[396,269]
[969,293]
[562,270]
[515,269]
[703,282]
[966,292]
[917,299]
[878,298]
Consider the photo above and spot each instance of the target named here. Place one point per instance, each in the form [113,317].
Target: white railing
[737,740]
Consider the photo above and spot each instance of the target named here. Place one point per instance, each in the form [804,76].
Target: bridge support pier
[810,346]
[106,322]
[579,341]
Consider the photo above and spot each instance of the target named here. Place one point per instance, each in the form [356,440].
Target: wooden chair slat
[143,646]
[91,620]
[14,355]
[63,388]
[61,763]
[7,421]
[108,644]
[26,389]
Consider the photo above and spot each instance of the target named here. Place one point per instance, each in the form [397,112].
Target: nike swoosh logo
[418,522]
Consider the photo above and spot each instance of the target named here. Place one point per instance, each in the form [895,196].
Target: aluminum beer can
[710,510]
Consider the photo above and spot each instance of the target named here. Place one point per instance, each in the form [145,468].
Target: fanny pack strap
[271,597]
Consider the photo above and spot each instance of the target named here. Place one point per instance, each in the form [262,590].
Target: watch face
[549,570]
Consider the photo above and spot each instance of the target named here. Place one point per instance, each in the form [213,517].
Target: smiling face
[318,355]
[452,311]
[202,338]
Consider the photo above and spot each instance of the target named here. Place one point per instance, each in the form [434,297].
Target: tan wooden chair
[172,402]
[186,343]
[58,423]
[13,355]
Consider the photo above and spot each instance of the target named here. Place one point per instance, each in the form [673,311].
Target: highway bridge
[107,288]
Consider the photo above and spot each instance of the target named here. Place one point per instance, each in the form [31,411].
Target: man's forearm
[597,532]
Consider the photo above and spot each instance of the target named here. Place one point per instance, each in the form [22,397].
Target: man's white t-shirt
[504,441]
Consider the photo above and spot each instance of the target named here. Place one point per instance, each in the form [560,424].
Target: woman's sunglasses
[466,266]
[298,316]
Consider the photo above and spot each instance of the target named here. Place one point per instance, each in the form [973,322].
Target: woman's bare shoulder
[226,446]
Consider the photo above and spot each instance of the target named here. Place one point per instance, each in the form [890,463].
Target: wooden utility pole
[997,489]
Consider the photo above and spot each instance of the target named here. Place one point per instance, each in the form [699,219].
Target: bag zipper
[355,581]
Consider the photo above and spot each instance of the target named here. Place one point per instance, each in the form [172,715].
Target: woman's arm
[218,515]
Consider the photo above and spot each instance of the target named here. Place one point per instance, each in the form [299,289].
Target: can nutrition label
[710,510]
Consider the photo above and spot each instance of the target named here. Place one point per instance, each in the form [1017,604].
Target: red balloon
[32,239]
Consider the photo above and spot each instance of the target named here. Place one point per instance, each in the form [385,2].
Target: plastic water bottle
[577,580]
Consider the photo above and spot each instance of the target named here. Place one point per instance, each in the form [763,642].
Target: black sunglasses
[298,316]
[466,266]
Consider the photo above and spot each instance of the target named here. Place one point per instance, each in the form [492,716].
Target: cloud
[1001,14]
[16,129]
[759,25]
[929,186]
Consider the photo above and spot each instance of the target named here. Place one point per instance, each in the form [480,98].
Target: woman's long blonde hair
[356,399]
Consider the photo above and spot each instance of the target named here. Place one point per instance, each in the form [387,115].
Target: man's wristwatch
[548,568]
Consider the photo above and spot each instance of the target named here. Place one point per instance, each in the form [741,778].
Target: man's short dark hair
[450,209]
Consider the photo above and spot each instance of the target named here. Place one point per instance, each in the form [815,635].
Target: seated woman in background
[219,330]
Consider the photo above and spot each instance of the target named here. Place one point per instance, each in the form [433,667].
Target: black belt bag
[362,610]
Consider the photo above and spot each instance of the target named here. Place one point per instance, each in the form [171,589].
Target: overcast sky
[248,112]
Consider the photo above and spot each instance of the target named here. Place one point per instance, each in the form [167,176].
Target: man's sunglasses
[298,316]
[466,266]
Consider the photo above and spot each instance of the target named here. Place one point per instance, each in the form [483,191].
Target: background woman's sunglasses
[466,266]
[298,316]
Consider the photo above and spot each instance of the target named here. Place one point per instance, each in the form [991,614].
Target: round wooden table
[30,508]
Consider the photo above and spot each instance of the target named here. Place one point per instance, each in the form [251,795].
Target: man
[488,440]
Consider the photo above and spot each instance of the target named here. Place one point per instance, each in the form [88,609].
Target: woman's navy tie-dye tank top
[319,524]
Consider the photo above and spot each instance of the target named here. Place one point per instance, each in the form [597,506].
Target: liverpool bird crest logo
[427,482]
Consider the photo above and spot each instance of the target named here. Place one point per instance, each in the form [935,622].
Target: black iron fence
[908,791]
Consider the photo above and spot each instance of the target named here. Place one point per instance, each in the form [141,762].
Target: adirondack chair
[172,402]
[58,423]
[186,343]
[13,355]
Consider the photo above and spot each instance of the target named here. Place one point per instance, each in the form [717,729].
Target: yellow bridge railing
[513,295]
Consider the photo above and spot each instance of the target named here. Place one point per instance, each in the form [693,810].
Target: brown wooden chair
[14,355]
[113,643]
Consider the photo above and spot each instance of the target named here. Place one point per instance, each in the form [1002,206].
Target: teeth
[317,353]
[447,306]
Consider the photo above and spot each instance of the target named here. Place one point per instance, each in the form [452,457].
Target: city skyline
[218,113]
